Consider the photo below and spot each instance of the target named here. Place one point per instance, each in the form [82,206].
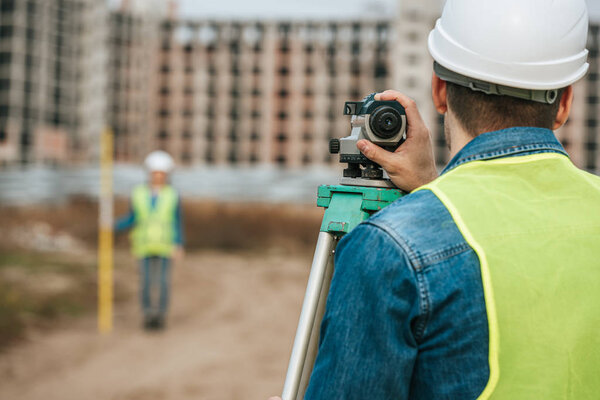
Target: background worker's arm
[412,165]
[126,221]
[178,225]
[178,229]
[367,348]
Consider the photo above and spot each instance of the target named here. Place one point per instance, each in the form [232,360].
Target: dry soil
[229,335]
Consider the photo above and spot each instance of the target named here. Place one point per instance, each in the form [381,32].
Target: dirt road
[230,332]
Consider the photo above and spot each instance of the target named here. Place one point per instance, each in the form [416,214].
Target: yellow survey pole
[105,235]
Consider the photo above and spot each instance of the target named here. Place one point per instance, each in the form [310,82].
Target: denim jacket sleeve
[178,225]
[406,316]
[126,221]
[364,353]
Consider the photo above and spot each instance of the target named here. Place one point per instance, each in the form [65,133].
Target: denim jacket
[406,317]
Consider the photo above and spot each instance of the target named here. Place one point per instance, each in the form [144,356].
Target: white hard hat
[159,161]
[526,44]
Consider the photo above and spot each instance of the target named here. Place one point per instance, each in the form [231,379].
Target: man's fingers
[376,154]
[412,112]
[274,398]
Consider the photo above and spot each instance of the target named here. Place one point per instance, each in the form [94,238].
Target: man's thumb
[374,152]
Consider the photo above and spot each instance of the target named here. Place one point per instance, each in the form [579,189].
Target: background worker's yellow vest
[534,222]
[153,234]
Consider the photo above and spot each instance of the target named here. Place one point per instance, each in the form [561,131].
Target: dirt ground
[229,336]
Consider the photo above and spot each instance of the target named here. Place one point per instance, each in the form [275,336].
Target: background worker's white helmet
[159,161]
[527,44]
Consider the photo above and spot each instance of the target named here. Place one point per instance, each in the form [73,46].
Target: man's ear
[438,93]
[564,109]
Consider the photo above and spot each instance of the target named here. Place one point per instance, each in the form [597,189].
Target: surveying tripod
[345,208]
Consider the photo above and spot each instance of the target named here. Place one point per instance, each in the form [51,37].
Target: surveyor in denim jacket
[482,282]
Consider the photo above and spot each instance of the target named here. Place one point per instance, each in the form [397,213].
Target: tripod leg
[310,306]
[313,346]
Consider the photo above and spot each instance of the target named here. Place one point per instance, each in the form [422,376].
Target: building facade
[52,80]
[248,92]
[132,66]
[251,92]
[217,92]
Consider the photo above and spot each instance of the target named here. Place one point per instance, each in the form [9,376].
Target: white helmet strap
[540,96]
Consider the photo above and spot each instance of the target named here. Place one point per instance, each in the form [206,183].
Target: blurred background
[245,96]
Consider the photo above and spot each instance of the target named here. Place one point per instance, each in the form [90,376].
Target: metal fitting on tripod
[372,171]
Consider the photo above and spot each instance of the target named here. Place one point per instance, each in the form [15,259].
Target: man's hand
[412,165]
[274,398]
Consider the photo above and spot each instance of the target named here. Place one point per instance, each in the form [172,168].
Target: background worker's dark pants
[154,283]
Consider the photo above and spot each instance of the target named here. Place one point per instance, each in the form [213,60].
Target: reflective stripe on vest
[534,222]
[153,233]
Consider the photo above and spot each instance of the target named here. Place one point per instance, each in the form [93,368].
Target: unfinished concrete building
[52,80]
[217,92]
[132,66]
[252,92]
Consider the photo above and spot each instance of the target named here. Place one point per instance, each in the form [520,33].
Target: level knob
[334,146]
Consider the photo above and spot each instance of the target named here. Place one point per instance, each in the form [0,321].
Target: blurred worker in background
[157,235]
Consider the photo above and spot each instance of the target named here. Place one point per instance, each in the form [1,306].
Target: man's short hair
[478,112]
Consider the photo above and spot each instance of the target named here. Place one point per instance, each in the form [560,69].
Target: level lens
[386,122]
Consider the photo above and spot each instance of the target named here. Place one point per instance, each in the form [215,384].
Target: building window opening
[7,6]
[233,157]
[380,71]
[209,156]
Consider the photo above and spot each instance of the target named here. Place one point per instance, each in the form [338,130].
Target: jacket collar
[507,143]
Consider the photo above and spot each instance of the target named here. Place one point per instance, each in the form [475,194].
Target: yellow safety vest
[153,234]
[534,222]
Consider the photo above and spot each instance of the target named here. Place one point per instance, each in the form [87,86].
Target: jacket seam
[418,270]
[446,254]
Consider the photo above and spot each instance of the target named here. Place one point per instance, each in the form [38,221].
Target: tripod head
[381,122]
